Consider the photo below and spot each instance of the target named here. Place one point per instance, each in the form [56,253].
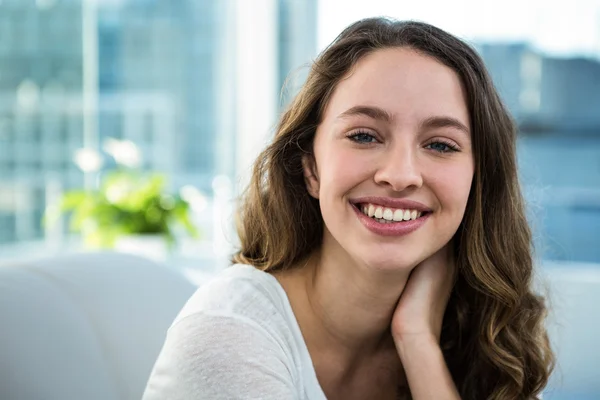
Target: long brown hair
[494,339]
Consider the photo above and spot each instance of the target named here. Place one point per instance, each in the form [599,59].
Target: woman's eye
[362,137]
[442,147]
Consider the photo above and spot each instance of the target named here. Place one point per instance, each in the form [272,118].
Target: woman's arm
[425,368]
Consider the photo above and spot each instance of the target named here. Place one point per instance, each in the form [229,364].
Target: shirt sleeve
[220,357]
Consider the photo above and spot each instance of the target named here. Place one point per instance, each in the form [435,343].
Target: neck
[343,308]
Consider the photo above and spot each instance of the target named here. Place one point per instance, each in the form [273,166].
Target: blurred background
[132,124]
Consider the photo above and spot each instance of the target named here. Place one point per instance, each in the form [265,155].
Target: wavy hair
[493,337]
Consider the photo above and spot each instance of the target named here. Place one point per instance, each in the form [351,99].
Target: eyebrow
[368,111]
[382,115]
[445,122]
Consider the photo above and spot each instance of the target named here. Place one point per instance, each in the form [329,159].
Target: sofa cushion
[86,326]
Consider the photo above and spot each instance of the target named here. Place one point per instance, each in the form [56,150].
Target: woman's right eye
[362,137]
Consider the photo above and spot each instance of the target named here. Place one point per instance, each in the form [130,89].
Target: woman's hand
[421,308]
[417,326]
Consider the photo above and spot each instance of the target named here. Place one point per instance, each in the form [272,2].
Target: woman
[384,252]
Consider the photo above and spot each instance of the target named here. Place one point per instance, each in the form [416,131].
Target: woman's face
[393,164]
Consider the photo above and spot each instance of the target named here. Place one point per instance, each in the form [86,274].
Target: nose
[399,170]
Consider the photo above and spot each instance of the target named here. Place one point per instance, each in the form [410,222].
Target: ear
[311,178]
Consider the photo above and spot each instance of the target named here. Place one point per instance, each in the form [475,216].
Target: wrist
[411,344]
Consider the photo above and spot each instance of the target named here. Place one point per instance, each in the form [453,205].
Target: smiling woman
[384,249]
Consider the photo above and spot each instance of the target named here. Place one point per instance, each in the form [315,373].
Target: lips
[384,227]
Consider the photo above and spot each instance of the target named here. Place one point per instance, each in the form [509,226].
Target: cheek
[340,171]
[453,186]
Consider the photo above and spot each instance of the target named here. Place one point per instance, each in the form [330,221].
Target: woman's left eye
[442,147]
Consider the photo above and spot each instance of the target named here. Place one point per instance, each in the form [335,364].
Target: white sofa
[84,327]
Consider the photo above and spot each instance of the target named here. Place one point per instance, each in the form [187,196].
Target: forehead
[407,84]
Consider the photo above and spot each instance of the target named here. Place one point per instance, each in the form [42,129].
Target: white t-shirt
[236,338]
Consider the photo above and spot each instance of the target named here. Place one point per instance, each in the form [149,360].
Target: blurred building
[166,79]
[296,45]
[546,93]
[40,83]
[165,52]
[556,102]
[42,112]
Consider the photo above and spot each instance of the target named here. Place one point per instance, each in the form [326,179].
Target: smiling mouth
[387,215]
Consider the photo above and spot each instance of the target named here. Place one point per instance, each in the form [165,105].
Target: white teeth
[388,214]
[398,215]
[378,212]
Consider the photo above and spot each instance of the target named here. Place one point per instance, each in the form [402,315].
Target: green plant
[127,202]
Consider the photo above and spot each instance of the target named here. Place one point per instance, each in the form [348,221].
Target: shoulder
[241,306]
[240,291]
[232,337]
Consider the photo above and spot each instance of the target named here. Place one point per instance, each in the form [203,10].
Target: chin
[399,263]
